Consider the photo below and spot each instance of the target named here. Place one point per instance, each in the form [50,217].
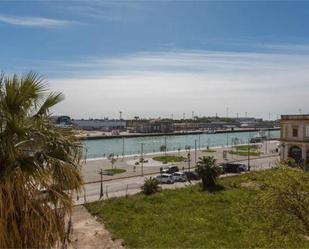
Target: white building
[100,124]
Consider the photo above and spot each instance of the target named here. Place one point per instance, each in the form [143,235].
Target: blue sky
[157,58]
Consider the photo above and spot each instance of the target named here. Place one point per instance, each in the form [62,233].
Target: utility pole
[165,145]
[189,160]
[101,187]
[195,151]
[142,159]
[199,141]
[248,155]
[122,148]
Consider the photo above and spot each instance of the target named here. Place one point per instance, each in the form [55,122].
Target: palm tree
[39,165]
[208,171]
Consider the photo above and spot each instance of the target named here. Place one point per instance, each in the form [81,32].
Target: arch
[295,152]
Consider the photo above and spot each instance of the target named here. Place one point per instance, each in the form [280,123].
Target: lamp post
[122,148]
[195,151]
[248,154]
[142,159]
[101,186]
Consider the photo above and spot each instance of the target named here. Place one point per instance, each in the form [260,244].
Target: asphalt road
[132,185]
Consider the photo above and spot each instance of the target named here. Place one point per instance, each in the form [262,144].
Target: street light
[248,154]
[142,159]
[101,187]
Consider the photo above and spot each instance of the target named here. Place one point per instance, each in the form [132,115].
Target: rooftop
[295,117]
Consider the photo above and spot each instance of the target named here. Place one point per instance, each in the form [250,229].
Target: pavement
[131,185]
[91,167]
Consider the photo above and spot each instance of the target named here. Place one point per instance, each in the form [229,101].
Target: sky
[162,58]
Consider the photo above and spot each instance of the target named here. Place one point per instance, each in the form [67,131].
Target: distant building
[218,125]
[150,126]
[295,138]
[61,121]
[186,126]
[99,124]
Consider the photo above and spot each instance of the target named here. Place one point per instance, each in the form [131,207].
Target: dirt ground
[89,233]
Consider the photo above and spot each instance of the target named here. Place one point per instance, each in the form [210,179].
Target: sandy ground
[89,233]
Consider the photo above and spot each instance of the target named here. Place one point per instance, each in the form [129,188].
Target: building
[295,138]
[186,126]
[61,121]
[150,126]
[99,124]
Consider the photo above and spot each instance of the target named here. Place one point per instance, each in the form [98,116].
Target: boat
[259,137]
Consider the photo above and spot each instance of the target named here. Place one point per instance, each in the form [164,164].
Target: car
[234,167]
[165,178]
[169,169]
[192,175]
[180,177]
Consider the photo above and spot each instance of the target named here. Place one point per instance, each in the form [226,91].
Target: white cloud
[206,82]
[34,21]
[165,82]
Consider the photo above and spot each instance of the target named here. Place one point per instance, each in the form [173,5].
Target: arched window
[296,153]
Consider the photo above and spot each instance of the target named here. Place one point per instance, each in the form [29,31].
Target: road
[132,185]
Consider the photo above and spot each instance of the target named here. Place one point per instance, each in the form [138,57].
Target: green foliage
[151,186]
[208,171]
[35,156]
[169,159]
[209,151]
[245,153]
[190,218]
[283,203]
[244,150]
[163,148]
[116,171]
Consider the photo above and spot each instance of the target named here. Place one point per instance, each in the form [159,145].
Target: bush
[208,171]
[151,186]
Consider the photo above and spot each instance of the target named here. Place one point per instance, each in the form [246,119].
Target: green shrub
[151,186]
[208,171]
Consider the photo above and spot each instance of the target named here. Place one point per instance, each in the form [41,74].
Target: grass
[243,150]
[245,147]
[190,218]
[116,171]
[169,159]
[209,151]
[244,153]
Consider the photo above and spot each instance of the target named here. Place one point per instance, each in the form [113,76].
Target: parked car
[192,175]
[180,177]
[169,169]
[165,178]
[234,167]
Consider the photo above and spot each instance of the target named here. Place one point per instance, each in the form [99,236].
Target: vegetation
[244,150]
[115,171]
[209,151]
[151,186]
[163,148]
[245,153]
[169,159]
[39,166]
[284,198]
[208,171]
[190,218]
[112,159]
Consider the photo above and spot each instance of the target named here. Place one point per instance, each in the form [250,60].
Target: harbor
[124,146]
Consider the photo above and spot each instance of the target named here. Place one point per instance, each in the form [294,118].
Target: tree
[282,201]
[163,149]
[39,165]
[208,171]
[151,186]
[112,158]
